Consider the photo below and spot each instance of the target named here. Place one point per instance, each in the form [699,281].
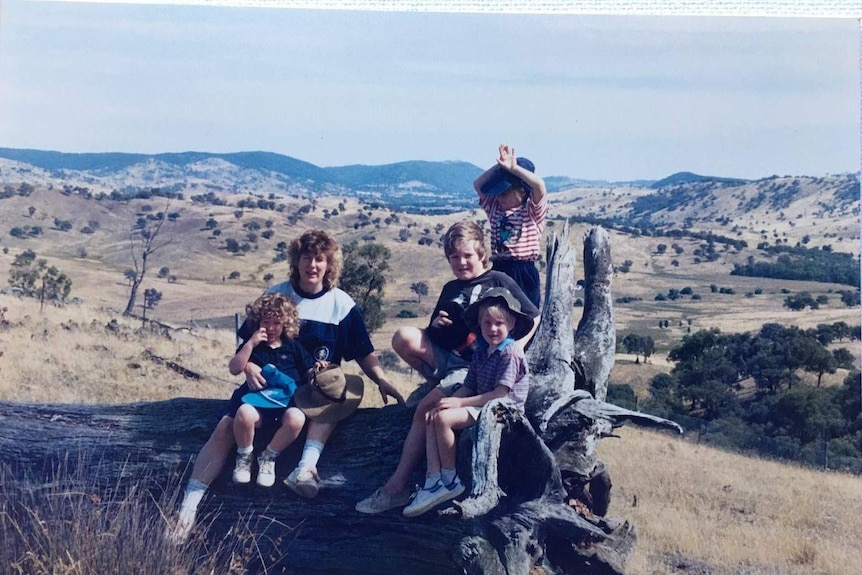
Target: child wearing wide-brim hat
[498,370]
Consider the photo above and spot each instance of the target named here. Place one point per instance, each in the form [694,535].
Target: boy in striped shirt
[516,202]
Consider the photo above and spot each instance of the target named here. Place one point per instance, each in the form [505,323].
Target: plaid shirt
[505,366]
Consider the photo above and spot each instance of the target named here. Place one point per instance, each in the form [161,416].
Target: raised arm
[483,178]
[509,162]
[237,363]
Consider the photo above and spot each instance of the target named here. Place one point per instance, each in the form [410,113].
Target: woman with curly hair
[332,330]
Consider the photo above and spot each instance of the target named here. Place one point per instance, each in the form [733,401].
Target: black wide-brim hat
[501,296]
[501,180]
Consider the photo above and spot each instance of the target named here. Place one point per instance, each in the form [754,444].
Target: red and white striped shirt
[517,233]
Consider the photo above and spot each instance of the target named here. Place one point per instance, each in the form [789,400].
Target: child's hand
[507,158]
[253,377]
[442,320]
[320,365]
[257,337]
[449,403]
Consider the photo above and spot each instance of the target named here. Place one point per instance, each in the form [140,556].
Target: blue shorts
[449,369]
[270,417]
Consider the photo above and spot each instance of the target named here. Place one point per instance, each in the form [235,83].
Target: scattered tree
[800,301]
[143,242]
[152,297]
[363,276]
[420,289]
[35,278]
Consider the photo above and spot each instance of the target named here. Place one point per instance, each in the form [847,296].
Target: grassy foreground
[697,510]
[702,510]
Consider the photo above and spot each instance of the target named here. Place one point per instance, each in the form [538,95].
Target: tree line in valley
[801,263]
[744,391]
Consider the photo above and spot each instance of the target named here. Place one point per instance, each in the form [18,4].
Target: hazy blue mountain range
[412,186]
[449,178]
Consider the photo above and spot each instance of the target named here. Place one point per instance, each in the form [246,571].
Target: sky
[594,97]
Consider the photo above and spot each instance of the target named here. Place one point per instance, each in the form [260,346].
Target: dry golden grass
[734,514]
[714,512]
[708,510]
[70,355]
[92,356]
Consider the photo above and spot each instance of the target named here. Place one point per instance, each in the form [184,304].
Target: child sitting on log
[498,369]
[273,346]
[442,351]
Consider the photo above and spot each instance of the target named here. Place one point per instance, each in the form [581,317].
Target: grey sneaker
[265,470]
[427,499]
[242,469]
[380,501]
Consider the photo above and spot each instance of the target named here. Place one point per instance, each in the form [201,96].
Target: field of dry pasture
[697,510]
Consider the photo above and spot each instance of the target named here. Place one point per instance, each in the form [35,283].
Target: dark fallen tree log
[538,491]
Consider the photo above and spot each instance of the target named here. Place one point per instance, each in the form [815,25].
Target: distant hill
[749,209]
[411,185]
[691,178]
[559,183]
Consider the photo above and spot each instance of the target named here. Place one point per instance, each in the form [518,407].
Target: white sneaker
[242,469]
[380,501]
[179,529]
[427,499]
[303,482]
[265,470]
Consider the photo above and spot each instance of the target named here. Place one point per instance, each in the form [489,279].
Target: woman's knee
[223,433]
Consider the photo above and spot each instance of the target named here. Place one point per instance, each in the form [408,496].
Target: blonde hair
[498,311]
[316,242]
[464,232]
[279,306]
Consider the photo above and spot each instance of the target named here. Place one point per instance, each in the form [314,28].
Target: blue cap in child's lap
[280,389]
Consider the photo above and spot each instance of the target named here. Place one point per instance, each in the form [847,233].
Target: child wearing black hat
[498,369]
[516,202]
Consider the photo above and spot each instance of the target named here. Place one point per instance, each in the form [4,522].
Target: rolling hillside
[698,511]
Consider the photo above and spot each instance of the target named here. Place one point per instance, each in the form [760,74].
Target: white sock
[447,476]
[271,453]
[245,450]
[195,491]
[310,454]
[431,480]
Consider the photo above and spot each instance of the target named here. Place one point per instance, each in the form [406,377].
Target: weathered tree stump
[538,490]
